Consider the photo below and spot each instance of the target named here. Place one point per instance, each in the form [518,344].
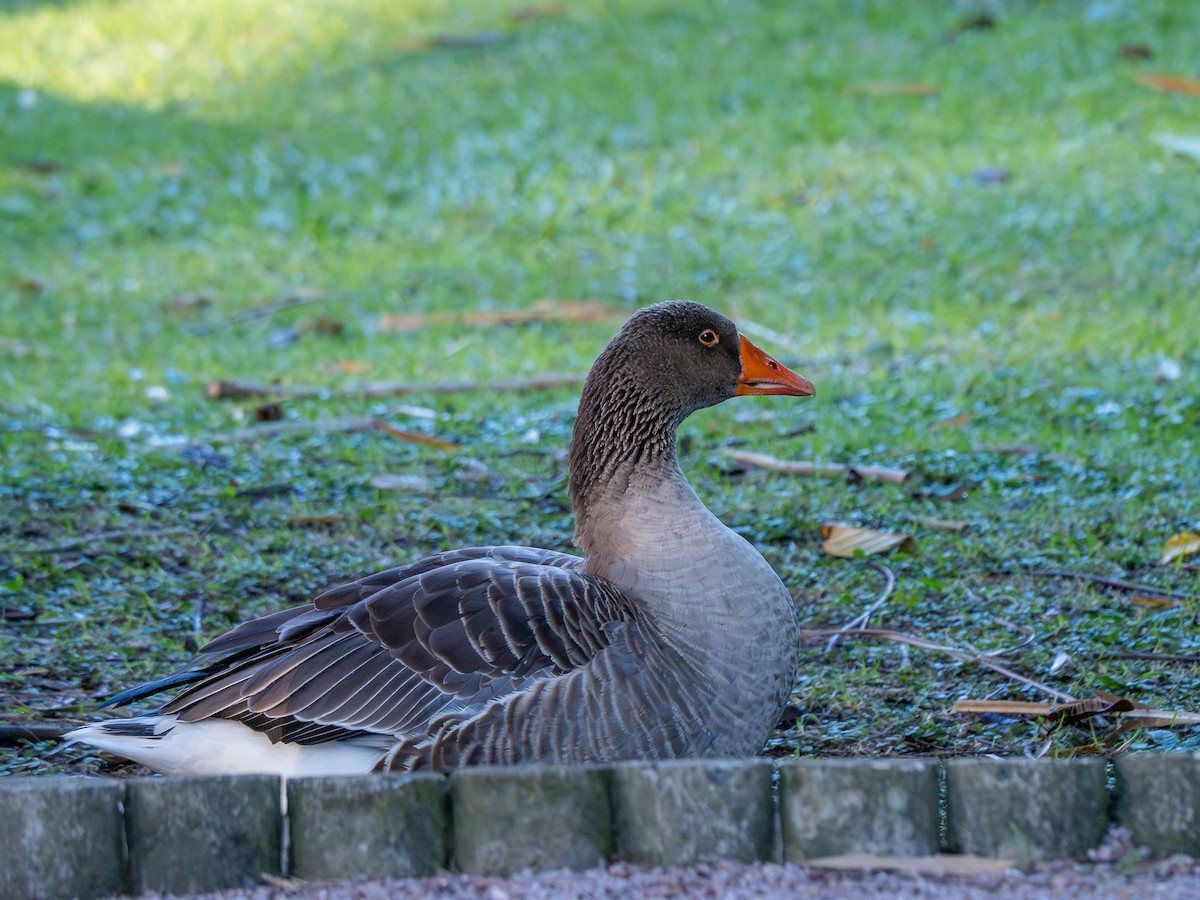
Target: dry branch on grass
[860,621]
[900,637]
[570,311]
[1115,583]
[327,426]
[825,470]
[224,389]
[1128,713]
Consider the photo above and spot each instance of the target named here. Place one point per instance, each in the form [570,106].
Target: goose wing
[386,653]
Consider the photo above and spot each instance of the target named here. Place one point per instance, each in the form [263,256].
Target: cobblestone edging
[85,837]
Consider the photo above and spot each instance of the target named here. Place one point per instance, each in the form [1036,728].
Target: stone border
[88,837]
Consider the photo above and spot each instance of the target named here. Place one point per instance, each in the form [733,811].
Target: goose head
[668,361]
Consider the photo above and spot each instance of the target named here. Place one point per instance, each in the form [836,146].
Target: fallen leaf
[848,541]
[348,366]
[1174,84]
[1136,50]
[1184,145]
[894,89]
[1156,602]
[1186,543]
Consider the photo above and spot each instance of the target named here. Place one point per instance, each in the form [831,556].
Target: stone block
[510,818]
[61,837]
[194,834]
[372,826]
[1026,809]
[831,807]
[683,812]
[1158,800]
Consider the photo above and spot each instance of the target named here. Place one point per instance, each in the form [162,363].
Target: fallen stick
[860,621]
[825,470]
[222,389]
[325,426]
[1116,583]
[900,637]
[102,536]
[298,299]
[18,732]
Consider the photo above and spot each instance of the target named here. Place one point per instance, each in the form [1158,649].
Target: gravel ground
[1170,878]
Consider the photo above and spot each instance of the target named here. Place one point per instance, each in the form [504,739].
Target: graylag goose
[670,637]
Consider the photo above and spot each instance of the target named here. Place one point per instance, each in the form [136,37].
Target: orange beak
[762,375]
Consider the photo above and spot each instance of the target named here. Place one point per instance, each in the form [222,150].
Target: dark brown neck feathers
[624,424]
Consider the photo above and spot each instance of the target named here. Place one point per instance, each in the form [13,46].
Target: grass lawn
[960,226]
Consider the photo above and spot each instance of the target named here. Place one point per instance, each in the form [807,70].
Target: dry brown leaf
[348,366]
[1186,543]
[1173,84]
[847,541]
[894,89]
[1156,602]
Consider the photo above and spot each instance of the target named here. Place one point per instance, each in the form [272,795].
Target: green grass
[239,154]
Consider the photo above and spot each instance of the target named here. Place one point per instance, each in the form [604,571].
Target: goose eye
[709,338]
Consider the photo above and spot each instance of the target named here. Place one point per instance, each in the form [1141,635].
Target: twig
[241,390]
[1112,583]
[861,620]
[827,470]
[900,637]
[19,732]
[324,426]
[1154,657]
[102,536]
[305,298]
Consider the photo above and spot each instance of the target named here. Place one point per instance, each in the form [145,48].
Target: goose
[671,636]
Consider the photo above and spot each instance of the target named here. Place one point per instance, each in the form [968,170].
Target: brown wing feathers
[388,652]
